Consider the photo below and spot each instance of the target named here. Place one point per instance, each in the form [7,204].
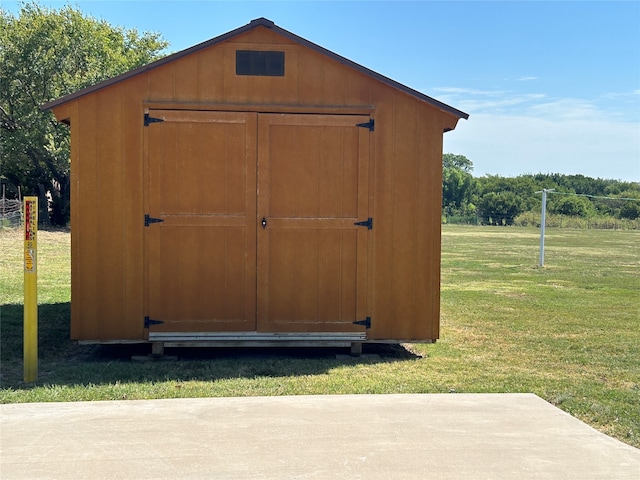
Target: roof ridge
[265,22]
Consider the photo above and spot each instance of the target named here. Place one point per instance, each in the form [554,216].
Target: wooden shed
[255,189]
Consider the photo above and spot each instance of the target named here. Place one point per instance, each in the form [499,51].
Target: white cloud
[468,91]
[515,133]
[479,101]
[564,109]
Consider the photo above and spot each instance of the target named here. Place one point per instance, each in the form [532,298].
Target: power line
[593,196]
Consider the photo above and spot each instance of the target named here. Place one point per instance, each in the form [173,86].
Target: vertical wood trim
[75,196]
[133,208]
[382,213]
[364,235]
[146,243]
[371,264]
[437,227]
[423,294]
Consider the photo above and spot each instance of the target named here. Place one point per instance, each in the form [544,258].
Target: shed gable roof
[260,22]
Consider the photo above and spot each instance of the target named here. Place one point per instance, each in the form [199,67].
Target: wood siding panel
[310,84]
[407,179]
[85,320]
[403,289]
[110,190]
[424,274]
[334,83]
[161,83]
[383,317]
[211,75]
[187,79]
[358,88]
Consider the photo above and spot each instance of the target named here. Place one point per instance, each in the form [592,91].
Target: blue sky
[549,86]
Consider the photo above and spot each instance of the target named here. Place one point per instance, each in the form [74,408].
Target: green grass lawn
[568,332]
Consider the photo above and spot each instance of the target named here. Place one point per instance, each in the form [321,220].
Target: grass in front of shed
[568,332]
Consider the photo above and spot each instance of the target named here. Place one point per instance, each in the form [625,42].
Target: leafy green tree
[457,162]
[45,54]
[572,206]
[458,185]
[522,188]
[500,208]
[630,208]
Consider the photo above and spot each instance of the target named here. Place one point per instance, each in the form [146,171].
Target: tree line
[496,200]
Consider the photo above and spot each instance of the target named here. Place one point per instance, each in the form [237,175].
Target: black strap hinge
[367,223]
[149,119]
[366,322]
[148,322]
[370,125]
[148,220]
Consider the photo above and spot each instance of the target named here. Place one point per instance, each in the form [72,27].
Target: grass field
[569,332]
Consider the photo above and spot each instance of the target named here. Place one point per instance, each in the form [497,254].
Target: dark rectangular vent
[260,63]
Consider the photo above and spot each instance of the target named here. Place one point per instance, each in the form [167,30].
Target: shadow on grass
[63,362]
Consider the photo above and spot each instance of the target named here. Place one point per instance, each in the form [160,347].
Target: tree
[572,206]
[500,208]
[45,54]
[458,162]
[523,187]
[458,185]
[630,208]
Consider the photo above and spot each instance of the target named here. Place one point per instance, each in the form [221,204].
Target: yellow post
[30,289]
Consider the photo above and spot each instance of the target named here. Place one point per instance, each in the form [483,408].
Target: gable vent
[260,63]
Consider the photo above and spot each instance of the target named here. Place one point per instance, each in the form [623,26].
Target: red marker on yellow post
[30,289]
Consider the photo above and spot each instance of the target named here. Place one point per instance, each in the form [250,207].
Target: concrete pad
[452,436]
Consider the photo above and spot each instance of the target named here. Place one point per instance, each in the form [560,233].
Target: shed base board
[254,339]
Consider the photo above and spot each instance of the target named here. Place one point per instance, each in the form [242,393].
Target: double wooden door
[255,222]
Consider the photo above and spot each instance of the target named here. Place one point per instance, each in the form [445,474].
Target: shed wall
[108,180]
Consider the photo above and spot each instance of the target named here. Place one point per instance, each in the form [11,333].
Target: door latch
[264,223]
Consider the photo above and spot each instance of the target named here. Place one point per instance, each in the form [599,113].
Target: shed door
[258,218]
[201,260]
[312,187]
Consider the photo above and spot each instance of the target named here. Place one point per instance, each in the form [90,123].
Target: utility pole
[543,221]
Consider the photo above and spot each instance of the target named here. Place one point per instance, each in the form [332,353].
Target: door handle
[264,223]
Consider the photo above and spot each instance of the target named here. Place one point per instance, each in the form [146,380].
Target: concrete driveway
[443,436]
